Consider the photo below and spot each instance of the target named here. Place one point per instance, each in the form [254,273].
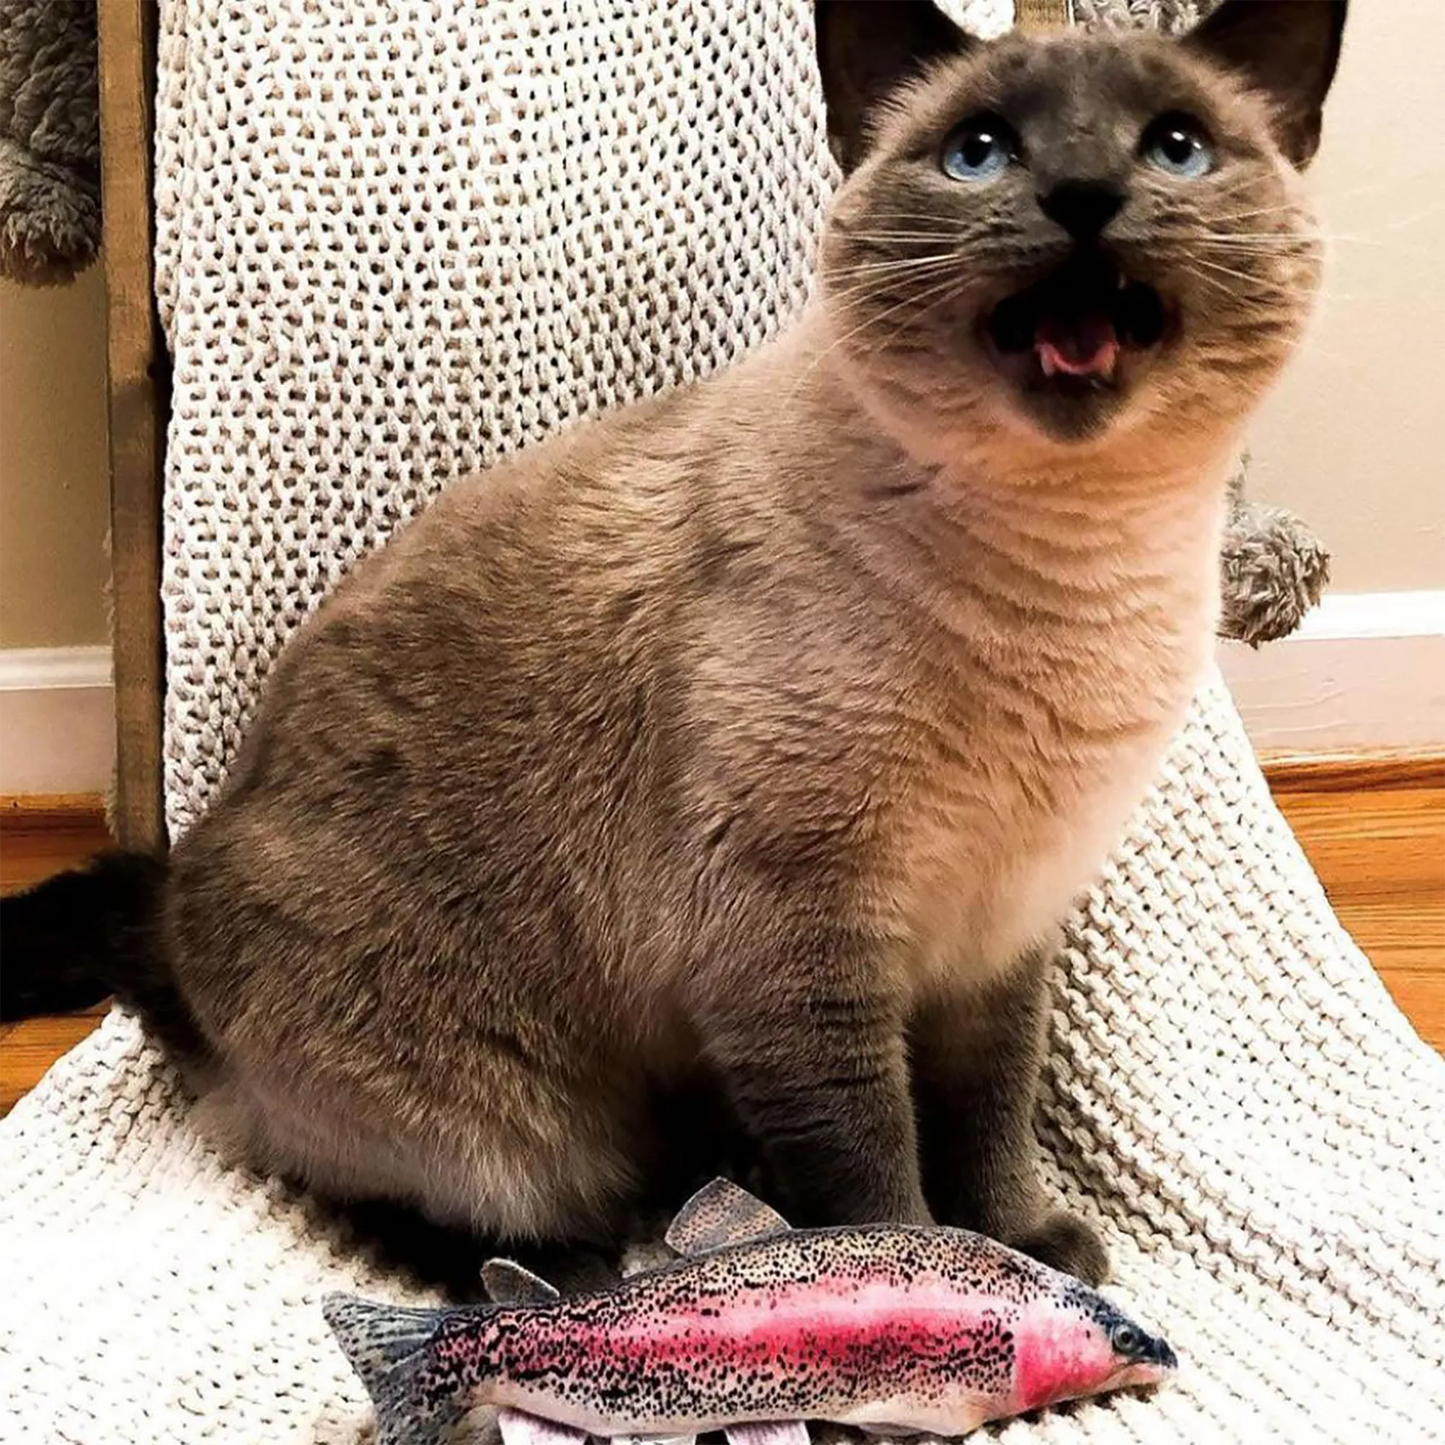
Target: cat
[750,744]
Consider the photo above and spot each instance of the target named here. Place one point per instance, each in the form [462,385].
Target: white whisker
[863,325]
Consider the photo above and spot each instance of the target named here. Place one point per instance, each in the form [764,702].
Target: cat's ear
[866,50]
[1285,49]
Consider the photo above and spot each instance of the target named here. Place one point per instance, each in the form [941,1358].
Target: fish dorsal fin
[720,1214]
[509,1284]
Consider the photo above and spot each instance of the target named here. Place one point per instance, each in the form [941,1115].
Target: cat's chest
[1028,783]
[987,880]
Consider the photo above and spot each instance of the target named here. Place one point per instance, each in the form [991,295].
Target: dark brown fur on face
[747,746]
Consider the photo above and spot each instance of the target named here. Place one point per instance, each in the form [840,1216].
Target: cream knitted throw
[394,243]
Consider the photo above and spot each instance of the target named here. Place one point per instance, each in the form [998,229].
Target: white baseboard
[1365,671]
[57,720]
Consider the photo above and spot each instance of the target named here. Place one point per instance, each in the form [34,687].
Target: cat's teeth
[1046,360]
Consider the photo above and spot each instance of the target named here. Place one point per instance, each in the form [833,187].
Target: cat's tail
[84,935]
[387,1347]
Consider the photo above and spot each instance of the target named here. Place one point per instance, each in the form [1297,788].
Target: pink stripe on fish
[782,1331]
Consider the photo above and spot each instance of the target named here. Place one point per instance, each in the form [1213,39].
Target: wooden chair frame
[138,372]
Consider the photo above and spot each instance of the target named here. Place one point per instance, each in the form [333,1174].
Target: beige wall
[1355,438]
[53,470]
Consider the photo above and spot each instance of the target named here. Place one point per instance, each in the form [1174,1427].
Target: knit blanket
[391,247]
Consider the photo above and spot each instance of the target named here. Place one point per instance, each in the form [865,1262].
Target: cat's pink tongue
[1081,346]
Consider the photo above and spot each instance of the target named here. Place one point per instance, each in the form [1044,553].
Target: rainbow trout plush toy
[756,1329]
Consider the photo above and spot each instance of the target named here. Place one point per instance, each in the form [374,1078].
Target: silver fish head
[1072,1342]
[1138,1358]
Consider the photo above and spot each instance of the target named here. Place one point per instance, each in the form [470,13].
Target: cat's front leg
[976,1055]
[809,1040]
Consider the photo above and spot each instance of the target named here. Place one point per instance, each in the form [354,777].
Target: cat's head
[1060,238]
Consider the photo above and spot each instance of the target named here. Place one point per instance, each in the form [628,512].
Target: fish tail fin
[386,1345]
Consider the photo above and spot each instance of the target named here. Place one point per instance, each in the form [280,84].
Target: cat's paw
[1064,1242]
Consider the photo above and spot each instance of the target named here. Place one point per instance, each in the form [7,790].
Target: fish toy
[755,1329]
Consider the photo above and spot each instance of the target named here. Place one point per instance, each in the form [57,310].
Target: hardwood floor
[42,835]
[1376,837]
[1374,830]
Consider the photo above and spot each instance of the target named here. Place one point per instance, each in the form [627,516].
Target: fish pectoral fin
[509,1284]
[769,1432]
[520,1428]
[720,1214]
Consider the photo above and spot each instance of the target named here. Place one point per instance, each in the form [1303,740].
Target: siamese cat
[750,744]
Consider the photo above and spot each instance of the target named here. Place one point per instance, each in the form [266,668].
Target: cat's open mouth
[1073,328]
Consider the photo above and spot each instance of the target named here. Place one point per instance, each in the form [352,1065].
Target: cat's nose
[1082,207]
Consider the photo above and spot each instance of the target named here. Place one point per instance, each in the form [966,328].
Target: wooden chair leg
[138,371]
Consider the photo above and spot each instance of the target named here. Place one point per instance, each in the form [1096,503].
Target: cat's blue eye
[1178,145]
[979,149]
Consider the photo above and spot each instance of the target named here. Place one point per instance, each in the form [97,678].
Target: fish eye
[1126,1339]
[1178,145]
[979,149]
